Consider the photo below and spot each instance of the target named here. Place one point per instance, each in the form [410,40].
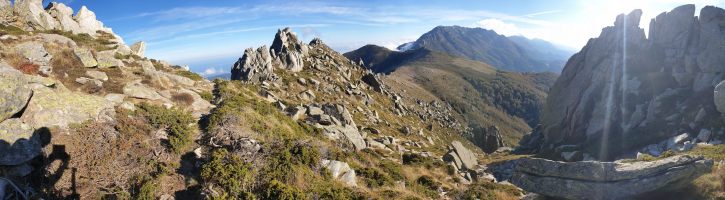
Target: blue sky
[210,35]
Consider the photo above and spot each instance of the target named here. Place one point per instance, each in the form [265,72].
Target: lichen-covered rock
[606,180]
[340,126]
[164,79]
[85,56]
[98,75]
[138,90]
[59,107]
[35,52]
[341,171]
[108,59]
[18,143]
[14,94]
[138,48]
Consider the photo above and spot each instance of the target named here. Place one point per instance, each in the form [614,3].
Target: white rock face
[87,21]
[33,13]
[85,56]
[138,48]
[64,15]
[341,171]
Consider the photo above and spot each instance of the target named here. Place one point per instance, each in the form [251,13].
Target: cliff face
[623,90]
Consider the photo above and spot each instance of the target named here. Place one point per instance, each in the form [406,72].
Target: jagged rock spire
[254,66]
[288,50]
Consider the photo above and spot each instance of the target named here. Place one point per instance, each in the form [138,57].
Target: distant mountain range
[515,53]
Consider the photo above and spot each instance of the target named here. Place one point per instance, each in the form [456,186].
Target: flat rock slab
[606,180]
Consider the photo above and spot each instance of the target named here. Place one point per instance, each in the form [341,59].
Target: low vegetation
[11,30]
[102,41]
[488,191]
[189,74]
[179,124]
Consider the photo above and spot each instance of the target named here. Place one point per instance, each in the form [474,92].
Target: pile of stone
[606,180]
[682,142]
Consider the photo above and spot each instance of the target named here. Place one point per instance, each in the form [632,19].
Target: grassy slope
[479,90]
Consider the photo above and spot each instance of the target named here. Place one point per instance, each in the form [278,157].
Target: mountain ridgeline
[515,53]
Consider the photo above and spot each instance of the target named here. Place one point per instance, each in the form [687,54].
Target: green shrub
[428,182]
[486,190]
[228,172]
[418,160]
[328,189]
[11,30]
[394,170]
[147,191]
[206,95]
[190,75]
[374,177]
[288,156]
[176,122]
[280,191]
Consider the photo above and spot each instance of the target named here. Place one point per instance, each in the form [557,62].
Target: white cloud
[211,71]
[542,13]
[500,27]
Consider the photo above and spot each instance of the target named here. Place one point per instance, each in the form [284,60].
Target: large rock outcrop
[606,180]
[623,91]
[254,66]
[64,15]
[288,50]
[32,12]
[286,53]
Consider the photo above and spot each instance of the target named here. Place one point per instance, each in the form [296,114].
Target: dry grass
[182,98]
